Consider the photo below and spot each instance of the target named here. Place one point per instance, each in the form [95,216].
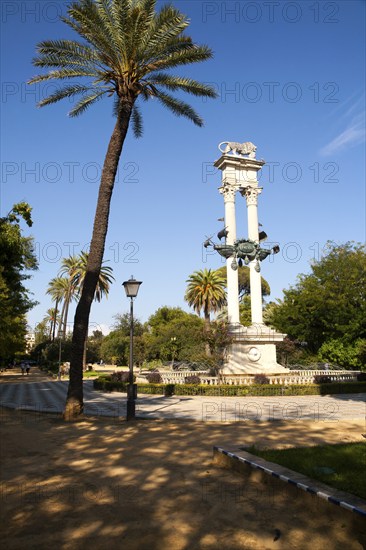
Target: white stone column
[228,192]
[251,196]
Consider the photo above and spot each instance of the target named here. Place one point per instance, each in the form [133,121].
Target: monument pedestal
[253,351]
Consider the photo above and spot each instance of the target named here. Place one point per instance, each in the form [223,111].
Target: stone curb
[339,498]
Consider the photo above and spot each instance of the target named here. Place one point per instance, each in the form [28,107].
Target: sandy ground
[151,484]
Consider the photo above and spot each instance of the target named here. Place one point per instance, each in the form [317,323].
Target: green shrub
[169,390]
[152,365]
[322,379]
[121,376]
[192,379]
[154,378]
[104,384]
[261,379]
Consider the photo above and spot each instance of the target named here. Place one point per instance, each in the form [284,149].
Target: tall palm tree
[58,289]
[69,268]
[206,291]
[104,280]
[126,46]
[51,319]
[70,287]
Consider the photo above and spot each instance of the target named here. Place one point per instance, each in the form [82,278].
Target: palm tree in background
[66,288]
[206,292]
[51,319]
[59,290]
[70,272]
[126,47]
[104,280]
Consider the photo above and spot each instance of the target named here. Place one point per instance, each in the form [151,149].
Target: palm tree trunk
[207,328]
[74,401]
[55,320]
[66,314]
[62,314]
[84,353]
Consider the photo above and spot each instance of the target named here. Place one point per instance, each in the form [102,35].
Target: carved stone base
[253,351]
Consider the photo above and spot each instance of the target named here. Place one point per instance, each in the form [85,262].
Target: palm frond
[179,108]
[61,74]
[67,91]
[85,102]
[137,122]
[86,21]
[68,49]
[167,26]
[186,56]
[185,84]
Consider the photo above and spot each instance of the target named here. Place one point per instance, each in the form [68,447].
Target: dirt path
[102,483]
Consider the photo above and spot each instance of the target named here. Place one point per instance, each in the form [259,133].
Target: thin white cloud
[353,135]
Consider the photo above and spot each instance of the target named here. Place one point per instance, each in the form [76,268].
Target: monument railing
[178,377]
[293,377]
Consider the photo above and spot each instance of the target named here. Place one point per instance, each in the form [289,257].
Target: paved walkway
[38,393]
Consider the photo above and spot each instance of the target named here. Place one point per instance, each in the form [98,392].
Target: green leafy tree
[348,356]
[123,325]
[16,258]
[219,339]
[94,346]
[329,303]
[244,281]
[114,348]
[173,335]
[163,316]
[245,311]
[126,47]
[41,333]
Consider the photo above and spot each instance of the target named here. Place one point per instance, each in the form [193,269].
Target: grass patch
[92,373]
[341,466]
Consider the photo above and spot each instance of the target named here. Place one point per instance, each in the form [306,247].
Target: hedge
[234,391]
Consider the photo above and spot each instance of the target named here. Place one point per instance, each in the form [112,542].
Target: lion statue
[246,148]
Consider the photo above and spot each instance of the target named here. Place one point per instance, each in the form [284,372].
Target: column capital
[228,192]
[251,194]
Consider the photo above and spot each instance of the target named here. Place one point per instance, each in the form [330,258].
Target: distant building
[30,340]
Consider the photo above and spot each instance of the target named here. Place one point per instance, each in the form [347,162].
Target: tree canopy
[330,302]
[244,281]
[16,258]
[174,334]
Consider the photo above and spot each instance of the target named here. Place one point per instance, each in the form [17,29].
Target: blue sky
[291,79]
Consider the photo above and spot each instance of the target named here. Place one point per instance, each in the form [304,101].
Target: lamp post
[131,288]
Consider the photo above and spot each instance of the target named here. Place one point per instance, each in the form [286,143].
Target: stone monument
[253,350]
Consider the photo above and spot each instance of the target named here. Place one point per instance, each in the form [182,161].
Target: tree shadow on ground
[151,484]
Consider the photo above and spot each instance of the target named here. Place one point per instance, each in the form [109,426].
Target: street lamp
[131,288]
